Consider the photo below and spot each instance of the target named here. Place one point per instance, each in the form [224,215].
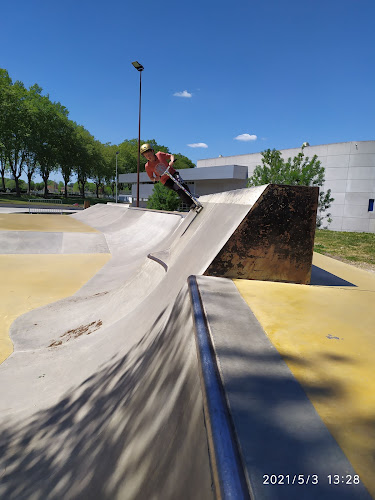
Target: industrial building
[349,173]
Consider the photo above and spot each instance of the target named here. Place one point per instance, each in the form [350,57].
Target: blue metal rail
[227,469]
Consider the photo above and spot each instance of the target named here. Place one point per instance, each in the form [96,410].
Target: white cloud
[198,145]
[185,93]
[246,137]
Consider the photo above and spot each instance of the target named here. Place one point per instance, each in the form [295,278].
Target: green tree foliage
[163,198]
[15,127]
[104,170]
[36,136]
[297,171]
[182,162]
[68,153]
[11,184]
[50,120]
[87,157]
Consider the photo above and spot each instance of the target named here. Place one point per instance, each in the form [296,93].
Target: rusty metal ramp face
[274,242]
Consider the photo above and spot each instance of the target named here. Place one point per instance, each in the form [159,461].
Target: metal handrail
[227,468]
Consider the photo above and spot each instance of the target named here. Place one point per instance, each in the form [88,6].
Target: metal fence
[33,209]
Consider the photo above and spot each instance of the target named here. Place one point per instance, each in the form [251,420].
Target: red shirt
[162,163]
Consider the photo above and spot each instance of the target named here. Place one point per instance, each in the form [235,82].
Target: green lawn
[355,248]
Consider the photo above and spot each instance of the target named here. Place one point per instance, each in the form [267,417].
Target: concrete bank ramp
[48,234]
[101,397]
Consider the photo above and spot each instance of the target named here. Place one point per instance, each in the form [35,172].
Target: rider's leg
[181,193]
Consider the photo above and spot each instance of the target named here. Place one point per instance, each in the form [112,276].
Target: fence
[45,209]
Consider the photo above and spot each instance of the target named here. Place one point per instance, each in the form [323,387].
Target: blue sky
[277,73]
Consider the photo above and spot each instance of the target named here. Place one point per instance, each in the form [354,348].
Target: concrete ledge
[279,432]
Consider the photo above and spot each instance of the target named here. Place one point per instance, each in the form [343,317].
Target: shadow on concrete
[277,427]
[320,277]
[281,434]
[132,430]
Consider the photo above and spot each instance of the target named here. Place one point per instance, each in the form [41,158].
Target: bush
[163,198]
[297,171]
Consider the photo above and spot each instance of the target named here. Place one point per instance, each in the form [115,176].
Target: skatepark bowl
[161,355]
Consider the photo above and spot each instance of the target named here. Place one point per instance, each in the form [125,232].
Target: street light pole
[116,174]
[139,68]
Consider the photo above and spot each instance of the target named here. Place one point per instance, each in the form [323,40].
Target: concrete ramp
[32,242]
[101,397]
[275,240]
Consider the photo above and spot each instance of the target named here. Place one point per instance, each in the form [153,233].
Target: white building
[349,173]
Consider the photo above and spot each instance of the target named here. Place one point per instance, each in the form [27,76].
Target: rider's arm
[152,175]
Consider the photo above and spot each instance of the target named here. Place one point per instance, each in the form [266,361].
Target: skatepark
[149,354]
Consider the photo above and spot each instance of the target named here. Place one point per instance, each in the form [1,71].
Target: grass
[354,248]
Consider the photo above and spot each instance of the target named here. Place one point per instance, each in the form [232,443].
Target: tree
[48,136]
[36,135]
[87,157]
[4,166]
[14,125]
[182,162]
[103,166]
[299,171]
[33,95]
[163,198]
[68,153]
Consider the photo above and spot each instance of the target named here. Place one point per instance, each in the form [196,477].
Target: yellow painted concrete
[327,338]
[43,222]
[31,281]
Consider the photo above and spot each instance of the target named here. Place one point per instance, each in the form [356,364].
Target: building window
[370,205]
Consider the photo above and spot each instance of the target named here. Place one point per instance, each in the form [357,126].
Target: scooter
[198,206]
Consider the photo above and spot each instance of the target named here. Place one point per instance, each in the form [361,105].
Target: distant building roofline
[284,149]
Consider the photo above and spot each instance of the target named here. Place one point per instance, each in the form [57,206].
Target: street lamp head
[117,152]
[138,66]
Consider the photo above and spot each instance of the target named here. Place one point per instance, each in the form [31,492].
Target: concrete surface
[30,281]
[280,430]
[105,399]
[329,348]
[12,210]
[31,242]
[43,222]
[102,397]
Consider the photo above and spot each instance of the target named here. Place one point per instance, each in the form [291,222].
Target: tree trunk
[45,180]
[2,170]
[66,176]
[18,190]
[29,176]
[82,184]
[13,169]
